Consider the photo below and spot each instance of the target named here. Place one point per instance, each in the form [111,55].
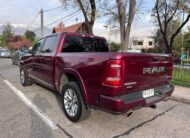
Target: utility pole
[42,22]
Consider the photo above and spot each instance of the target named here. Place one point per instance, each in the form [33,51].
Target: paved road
[170,119]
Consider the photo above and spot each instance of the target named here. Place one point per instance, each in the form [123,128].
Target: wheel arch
[71,75]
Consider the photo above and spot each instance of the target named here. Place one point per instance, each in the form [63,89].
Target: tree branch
[179,29]
[158,16]
[83,10]
[93,11]
[176,7]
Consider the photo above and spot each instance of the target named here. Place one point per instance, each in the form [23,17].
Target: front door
[46,61]
[35,59]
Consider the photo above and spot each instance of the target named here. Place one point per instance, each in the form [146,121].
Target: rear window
[84,44]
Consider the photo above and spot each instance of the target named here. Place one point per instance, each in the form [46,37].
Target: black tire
[82,111]
[13,62]
[24,79]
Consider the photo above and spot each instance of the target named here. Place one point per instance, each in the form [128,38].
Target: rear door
[144,71]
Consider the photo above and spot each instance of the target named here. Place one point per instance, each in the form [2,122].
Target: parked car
[5,53]
[17,55]
[84,72]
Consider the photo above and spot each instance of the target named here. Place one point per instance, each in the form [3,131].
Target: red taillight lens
[171,71]
[113,73]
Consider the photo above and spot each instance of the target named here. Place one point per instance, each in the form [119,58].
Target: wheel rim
[22,76]
[70,102]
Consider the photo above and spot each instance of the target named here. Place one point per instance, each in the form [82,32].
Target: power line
[48,10]
[72,14]
[33,21]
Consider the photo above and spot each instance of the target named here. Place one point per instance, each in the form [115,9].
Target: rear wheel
[73,104]
[24,79]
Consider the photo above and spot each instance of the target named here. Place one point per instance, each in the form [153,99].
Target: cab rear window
[84,44]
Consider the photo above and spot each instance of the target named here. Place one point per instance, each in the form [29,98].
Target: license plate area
[148,93]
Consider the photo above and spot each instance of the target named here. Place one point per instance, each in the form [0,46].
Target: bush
[114,47]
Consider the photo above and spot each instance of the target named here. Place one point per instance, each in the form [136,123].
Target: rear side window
[78,44]
[102,46]
[50,44]
[83,44]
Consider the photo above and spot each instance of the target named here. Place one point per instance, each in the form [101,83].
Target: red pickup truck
[84,72]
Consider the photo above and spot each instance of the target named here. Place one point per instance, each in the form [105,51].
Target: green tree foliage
[159,40]
[30,35]
[165,12]
[7,34]
[114,47]
[187,40]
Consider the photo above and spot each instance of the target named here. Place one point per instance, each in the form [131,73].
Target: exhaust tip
[129,114]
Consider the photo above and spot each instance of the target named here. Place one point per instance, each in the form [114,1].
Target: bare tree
[120,15]
[88,8]
[165,13]
[125,29]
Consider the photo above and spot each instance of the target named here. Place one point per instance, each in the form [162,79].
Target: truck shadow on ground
[143,123]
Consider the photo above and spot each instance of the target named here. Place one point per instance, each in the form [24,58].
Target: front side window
[50,44]
[37,47]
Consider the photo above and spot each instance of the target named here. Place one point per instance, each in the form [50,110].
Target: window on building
[150,43]
[49,44]
[135,42]
[140,43]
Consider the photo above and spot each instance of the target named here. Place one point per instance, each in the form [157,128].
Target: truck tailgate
[145,71]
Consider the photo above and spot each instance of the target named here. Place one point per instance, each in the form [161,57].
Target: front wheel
[73,104]
[24,79]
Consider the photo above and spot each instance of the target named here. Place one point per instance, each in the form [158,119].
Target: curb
[180,99]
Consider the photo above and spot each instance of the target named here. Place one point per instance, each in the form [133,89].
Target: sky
[23,12]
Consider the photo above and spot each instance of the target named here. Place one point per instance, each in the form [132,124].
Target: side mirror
[31,52]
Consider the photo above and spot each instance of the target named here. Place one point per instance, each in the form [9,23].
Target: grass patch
[181,76]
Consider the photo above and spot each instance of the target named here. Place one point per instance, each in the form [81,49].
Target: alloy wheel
[70,102]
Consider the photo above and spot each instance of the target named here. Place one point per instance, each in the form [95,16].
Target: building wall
[142,43]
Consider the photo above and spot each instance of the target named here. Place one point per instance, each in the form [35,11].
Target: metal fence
[181,74]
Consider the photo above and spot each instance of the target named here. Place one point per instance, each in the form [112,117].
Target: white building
[139,43]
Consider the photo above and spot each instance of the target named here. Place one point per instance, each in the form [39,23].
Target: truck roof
[74,34]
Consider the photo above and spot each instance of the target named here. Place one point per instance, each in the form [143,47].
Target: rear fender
[74,73]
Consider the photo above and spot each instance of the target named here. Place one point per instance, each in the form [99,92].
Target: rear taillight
[113,75]
[170,73]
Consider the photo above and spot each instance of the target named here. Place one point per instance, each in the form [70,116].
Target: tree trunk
[122,19]
[132,9]
[89,27]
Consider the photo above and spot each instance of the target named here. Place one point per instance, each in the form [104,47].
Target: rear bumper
[120,104]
